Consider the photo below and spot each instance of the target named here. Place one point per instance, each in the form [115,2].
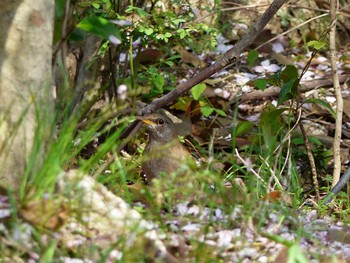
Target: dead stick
[311,160]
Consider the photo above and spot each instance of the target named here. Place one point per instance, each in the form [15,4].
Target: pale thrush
[164,154]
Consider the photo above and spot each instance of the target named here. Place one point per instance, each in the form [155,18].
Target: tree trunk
[26,31]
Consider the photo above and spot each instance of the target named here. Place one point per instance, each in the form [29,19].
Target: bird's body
[164,154]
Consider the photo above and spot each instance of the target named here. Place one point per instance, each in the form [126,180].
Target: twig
[288,138]
[138,125]
[273,175]
[304,86]
[251,170]
[290,30]
[311,160]
[338,95]
[111,69]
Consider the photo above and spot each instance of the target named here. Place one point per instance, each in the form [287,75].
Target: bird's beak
[145,120]
[148,122]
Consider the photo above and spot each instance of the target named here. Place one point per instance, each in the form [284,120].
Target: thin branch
[311,160]
[138,125]
[304,87]
[250,170]
[290,30]
[338,95]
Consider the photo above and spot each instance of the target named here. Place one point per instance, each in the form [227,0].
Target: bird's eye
[160,121]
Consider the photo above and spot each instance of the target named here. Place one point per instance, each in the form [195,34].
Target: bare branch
[335,77]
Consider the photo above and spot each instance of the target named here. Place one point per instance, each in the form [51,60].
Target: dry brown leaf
[278,196]
[189,58]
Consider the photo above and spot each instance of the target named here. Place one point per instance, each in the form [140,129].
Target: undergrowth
[257,182]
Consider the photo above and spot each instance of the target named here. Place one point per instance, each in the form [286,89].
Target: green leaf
[59,8]
[49,252]
[289,73]
[101,27]
[260,84]
[316,44]
[298,141]
[270,124]
[220,112]
[78,35]
[315,140]
[206,110]
[96,5]
[158,82]
[243,127]
[138,10]
[312,139]
[178,21]
[149,31]
[295,254]
[323,104]
[181,32]
[288,91]
[252,57]
[169,63]
[198,90]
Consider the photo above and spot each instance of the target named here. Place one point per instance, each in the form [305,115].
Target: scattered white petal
[74,260]
[4,213]
[241,26]
[218,213]
[265,66]
[228,138]
[273,68]
[194,210]
[246,89]
[224,238]
[223,93]
[191,228]
[322,67]
[77,142]
[242,79]
[309,75]
[265,63]
[322,59]
[122,57]
[210,242]
[114,40]
[121,22]
[273,217]
[248,252]
[115,255]
[218,91]
[330,99]
[220,73]
[263,259]
[182,208]
[137,42]
[222,48]
[277,47]
[236,213]
[226,94]
[259,69]
[122,92]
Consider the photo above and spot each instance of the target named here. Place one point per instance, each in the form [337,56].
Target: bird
[164,156]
